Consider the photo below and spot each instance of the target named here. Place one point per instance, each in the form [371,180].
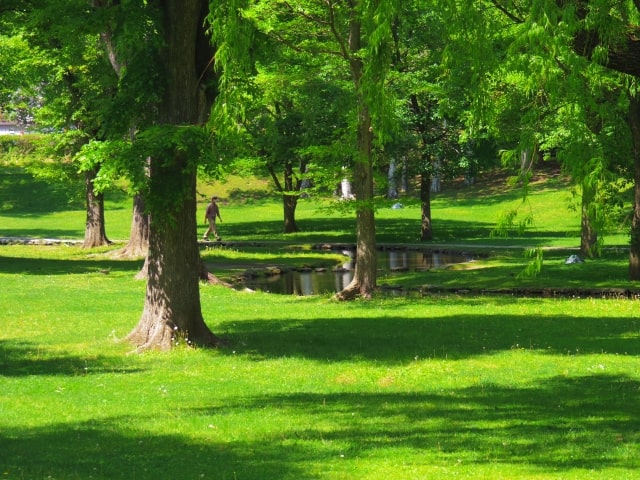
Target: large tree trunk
[95,232]
[172,307]
[426,229]
[634,251]
[172,310]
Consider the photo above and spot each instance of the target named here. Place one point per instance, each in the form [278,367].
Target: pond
[319,281]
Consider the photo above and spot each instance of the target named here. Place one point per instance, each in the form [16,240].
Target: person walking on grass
[210,215]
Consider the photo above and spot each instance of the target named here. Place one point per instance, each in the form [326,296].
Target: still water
[390,262]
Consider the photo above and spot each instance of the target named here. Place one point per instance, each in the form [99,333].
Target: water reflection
[390,262]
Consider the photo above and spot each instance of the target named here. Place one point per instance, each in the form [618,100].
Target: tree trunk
[634,250]
[290,202]
[94,233]
[392,180]
[172,307]
[138,244]
[426,230]
[588,233]
[172,310]
[364,275]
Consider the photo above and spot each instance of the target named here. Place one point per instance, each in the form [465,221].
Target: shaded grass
[473,387]
[494,270]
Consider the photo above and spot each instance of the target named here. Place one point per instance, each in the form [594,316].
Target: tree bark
[363,283]
[634,250]
[426,230]
[95,232]
[138,244]
[290,202]
[364,279]
[588,233]
[172,309]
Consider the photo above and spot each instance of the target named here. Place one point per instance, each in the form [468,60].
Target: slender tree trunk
[290,202]
[588,233]
[392,180]
[364,275]
[426,230]
[172,309]
[634,250]
[94,233]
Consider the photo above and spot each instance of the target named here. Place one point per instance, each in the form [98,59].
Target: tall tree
[172,304]
[358,34]
[530,78]
[291,122]
[138,242]
[170,83]
[70,91]
[605,34]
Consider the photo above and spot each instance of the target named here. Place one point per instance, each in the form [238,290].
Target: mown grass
[441,387]
[437,386]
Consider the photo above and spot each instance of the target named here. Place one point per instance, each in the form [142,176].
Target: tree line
[311,92]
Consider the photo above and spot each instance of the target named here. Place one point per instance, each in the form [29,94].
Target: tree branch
[509,14]
[623,57]
[334,30]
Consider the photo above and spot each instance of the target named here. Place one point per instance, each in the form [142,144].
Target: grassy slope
[438,387]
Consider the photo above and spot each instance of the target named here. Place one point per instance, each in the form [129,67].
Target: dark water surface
[390,262]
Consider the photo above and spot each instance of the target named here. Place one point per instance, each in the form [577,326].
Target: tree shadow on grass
[559,425]
[398,340]
[389,230]
[19,358]
[29,233]
[562,423]
[113,449]
[49,266]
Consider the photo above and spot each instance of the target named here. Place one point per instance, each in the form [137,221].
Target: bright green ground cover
[440,387]
[461,215]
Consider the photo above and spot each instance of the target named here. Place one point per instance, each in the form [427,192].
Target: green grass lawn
[440,387]
[415,387]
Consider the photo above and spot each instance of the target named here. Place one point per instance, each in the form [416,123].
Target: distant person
[210,215]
